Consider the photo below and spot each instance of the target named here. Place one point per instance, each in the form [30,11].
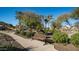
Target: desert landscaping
[36,32]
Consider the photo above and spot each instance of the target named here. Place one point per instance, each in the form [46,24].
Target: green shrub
[23,33]
[75,39]
[46,30]
[17,32]
[60,37]
[30,34]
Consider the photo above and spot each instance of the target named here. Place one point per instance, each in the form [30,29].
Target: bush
[46,30]
[17,32]
[59,37]
[27,34]
[23,33]
[75,39]
[30,34]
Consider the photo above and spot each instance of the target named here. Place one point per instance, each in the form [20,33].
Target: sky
[8,14]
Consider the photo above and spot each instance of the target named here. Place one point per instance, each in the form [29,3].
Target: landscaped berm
[39,29]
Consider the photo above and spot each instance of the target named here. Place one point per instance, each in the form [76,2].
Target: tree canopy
[29,19]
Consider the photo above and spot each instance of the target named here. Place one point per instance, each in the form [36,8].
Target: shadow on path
[14,49]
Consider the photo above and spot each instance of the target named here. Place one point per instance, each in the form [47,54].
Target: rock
[39,36]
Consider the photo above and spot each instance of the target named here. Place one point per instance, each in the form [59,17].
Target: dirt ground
[68,47]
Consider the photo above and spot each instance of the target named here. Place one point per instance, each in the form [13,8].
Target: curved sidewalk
[29,43]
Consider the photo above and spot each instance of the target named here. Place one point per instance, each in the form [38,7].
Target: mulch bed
[68,47]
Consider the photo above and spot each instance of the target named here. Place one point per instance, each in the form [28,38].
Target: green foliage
[60,37]
[29,19]
[39,26]
[29,34]
[17,32]
[46,30]
[23,33]
[75,39]
[62,18]
[75,14]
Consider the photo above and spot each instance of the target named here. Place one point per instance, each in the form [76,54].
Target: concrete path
[29,43]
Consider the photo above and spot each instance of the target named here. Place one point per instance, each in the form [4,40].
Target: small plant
[75,39]
[46,30]
[30,34]
[59,37]
[17,32]
[23,33]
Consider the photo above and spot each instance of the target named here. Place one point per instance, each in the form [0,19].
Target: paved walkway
[29,43]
